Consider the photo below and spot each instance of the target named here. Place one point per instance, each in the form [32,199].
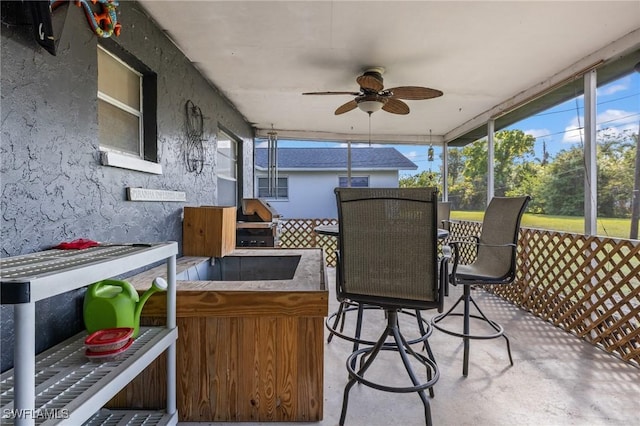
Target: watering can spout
[159,284]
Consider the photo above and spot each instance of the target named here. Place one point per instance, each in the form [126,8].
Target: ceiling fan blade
[332,93]
[370,82]
[414,92]
[346,107]
[396,106]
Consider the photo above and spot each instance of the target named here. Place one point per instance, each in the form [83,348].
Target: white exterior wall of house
[311,192]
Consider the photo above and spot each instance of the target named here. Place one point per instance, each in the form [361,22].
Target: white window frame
[234,160]
[346,178]
[266,178]
[111,156]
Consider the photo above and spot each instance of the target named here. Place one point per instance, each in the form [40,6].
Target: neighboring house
[307,177]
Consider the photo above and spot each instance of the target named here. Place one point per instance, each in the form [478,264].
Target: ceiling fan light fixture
[370,106]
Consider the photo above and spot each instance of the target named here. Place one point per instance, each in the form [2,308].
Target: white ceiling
[484,56]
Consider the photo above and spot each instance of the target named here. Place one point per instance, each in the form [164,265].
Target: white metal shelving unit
[61,386]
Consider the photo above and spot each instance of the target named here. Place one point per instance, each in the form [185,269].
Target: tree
[561,191]
[423,179]
[513,154]
[616,157]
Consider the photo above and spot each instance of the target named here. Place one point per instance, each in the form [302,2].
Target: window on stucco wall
[227,169]
[126,111]
[282,188]
[356,181]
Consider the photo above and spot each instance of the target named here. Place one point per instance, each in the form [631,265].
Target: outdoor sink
[243,268]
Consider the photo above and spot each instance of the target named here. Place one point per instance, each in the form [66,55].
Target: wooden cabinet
[248,351]
[209,231]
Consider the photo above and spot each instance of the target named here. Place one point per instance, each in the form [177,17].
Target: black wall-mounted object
[46,24]
[42,23]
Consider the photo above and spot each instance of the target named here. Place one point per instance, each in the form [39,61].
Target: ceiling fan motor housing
[371,80]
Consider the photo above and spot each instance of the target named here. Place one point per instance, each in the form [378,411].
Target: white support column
[24,362]
[445,172]
[171,350]
[591,175]
[490,160]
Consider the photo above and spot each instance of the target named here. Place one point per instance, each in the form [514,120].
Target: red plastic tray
[107,355]
[109,339]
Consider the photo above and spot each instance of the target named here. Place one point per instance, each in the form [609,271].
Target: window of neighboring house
[227,169]
[356,181]
[126,111]
[282,188]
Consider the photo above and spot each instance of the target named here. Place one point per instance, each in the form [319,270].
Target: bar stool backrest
[387,246]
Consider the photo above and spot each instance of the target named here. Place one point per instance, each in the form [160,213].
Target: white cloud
[616,86]
[615,120]
[263,144]
[411,155]
[573,132]
[537,133]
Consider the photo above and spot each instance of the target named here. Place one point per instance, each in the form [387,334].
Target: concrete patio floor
[556,379]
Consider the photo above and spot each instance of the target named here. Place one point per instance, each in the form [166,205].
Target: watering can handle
[125,285]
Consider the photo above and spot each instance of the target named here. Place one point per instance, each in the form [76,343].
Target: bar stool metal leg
[466,335]
[404,349]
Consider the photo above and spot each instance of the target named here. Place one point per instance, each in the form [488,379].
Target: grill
[257,224]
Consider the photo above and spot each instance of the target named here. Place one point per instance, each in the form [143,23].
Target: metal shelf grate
[66,378]
[52,261]
[130,418]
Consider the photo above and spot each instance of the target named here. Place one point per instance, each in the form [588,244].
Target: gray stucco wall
[53,186]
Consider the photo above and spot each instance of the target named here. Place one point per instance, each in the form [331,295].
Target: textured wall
[53,186]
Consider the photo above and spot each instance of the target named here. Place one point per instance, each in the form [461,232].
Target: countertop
[310,275]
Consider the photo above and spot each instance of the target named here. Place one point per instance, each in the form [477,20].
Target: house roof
[336,159]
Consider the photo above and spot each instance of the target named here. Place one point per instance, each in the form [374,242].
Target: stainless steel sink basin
[244,268]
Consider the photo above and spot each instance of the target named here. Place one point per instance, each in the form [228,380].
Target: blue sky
[618,110]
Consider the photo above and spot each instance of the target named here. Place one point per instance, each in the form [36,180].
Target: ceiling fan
[373,97]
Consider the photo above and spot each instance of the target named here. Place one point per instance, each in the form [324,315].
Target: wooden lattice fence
[588,286]
[298,233]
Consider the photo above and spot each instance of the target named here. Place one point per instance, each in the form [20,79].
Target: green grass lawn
[610,227]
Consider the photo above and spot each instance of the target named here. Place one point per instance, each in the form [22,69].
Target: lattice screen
[297,233]
[588,286]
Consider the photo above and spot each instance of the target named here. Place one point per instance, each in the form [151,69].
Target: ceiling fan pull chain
[369,130]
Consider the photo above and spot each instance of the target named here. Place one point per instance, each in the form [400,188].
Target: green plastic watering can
[115,303]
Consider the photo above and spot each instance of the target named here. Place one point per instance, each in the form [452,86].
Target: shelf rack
[61,386]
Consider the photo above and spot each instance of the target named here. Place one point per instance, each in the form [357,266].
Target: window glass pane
[118,129]
[468,178]
[356,181]
[226,192]
[543,156]
[282,189]
[226,167]
[118,81]
[282,193]
[226,156]
[618,126]
[226,146]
